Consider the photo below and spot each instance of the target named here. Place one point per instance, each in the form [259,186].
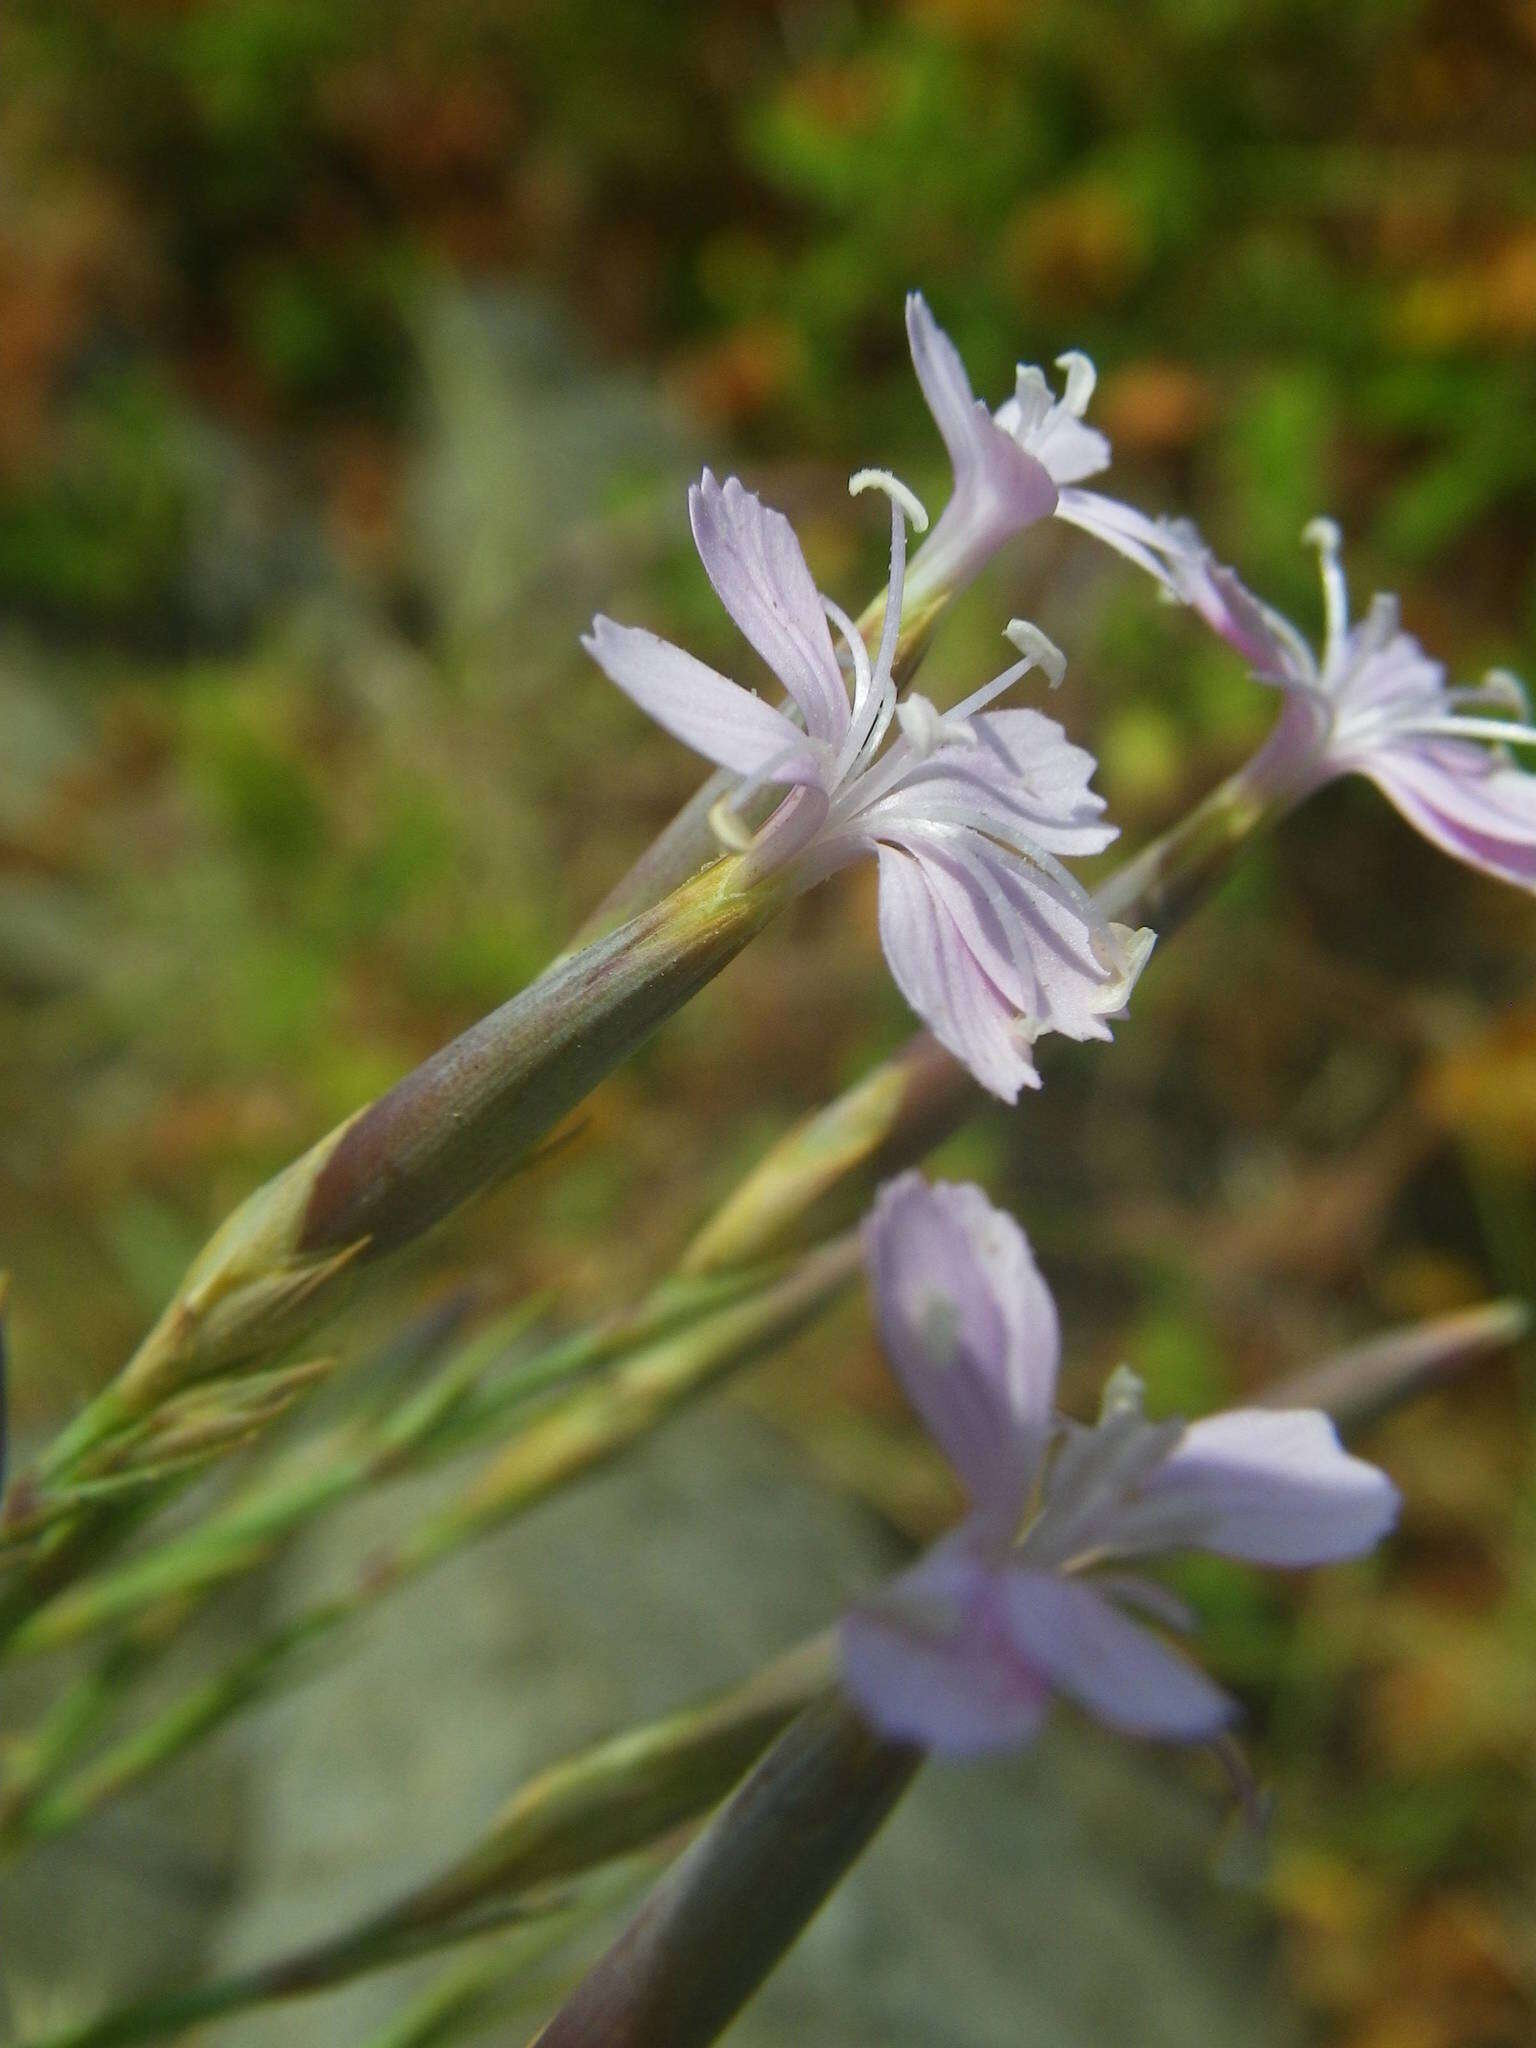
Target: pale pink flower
[1024,462]
[970,813]
[1040,1590]
[1375,704]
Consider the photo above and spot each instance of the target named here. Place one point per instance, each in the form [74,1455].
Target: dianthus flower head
[1375,704]
[970,813]
[1040,1590]
[1024,462]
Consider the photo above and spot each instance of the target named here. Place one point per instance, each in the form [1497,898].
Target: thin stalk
[545,1922]
[592,1810]
[286,1258]
[571,1439]
[1360,1385]
[451,1413]
[477,1990]
[175,1730]
[738,1898]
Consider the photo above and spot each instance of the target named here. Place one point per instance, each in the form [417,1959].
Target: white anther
[1081,378]
[898,492]
[927,728]
[1039,648]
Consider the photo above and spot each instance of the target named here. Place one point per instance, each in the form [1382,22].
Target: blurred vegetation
[349,357]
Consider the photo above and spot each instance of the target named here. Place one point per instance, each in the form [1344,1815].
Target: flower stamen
[1324,535]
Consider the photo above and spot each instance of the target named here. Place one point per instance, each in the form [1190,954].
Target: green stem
[737,1899]
[572,1438]
[591,1810]
[286,1258]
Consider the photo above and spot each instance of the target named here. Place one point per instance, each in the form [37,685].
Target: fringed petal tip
[1125,951]
[754,561]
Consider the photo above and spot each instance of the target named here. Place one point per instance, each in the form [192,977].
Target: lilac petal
[1070,449]
[1149,543]
[970,1329]
[981,917]
[1384,670]
[1471,804]
[706,711]
[926,1663]
[991,948]
[1112,1666]
[945,982]
[1041,756]
[1000,488]
[1270,644]
[753,559]
[1273,1486]
[1083,970]
[973,891]
[1023,776]
[961,418]
[1052,429]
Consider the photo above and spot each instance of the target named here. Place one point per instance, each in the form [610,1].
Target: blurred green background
[350,357]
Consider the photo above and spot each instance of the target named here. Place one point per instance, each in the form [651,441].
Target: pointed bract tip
[1037,647]
[899,493]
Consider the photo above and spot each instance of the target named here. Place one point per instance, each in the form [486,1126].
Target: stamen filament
[1324,535]
[1503,731]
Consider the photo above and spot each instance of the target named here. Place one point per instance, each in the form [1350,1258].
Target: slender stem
[735,1901]
[286,1258]
[592,1810]
[543,1922]
[632,1790]
[573,1437]
[1171,877]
